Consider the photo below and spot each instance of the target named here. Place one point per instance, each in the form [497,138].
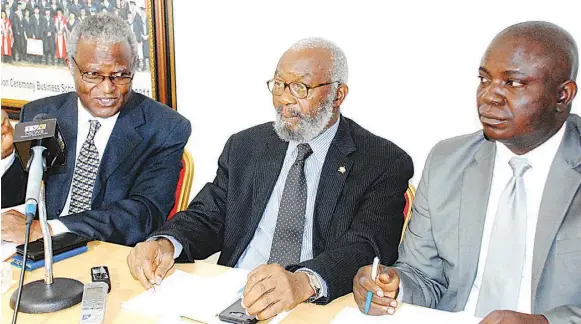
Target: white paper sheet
[177,320]
[405,314]
[19,208]
[6,277]
[197,297]
[280,317]
[8,249]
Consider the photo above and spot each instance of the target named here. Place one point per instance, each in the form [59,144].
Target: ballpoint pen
[373,277]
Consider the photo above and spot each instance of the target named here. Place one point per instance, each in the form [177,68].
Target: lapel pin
[342,169]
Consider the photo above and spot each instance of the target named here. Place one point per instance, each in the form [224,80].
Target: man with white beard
[302,202]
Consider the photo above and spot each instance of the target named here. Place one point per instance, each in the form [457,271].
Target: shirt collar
[541,156]
[320,144]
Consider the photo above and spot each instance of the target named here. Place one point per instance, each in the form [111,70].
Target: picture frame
[27,79]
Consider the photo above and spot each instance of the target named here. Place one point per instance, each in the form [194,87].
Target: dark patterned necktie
[290,223]
[85,172]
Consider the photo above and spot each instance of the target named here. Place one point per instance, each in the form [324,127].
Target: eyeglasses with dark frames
[96,78]
[299,90]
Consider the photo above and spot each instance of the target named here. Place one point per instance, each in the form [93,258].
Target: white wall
[413,64]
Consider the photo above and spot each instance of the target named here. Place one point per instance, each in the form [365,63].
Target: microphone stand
[47,239]
[51,294]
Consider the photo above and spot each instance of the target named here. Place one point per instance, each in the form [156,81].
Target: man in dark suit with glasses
[302,201]
[124,150]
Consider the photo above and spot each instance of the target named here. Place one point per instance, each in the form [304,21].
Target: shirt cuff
[177,246]
[399,297]
[7,162]
[323,292]
[57,227]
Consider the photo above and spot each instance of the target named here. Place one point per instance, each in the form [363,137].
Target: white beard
[307,127]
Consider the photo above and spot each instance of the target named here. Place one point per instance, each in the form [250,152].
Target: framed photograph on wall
[34,35]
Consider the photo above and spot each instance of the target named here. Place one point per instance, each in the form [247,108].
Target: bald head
[546,41]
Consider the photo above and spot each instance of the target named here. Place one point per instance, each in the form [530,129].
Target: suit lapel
[562,184]
[332,180]
[61,177]
[267,168]
[123,140]
[476,184]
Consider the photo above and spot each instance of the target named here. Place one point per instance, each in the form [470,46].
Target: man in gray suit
[496,224]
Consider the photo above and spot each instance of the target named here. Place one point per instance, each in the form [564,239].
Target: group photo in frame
[34,36]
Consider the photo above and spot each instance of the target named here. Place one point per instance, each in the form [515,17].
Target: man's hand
[150,261]
[384,289]
[271,289]
[510,317]
[14,226]
[7,136]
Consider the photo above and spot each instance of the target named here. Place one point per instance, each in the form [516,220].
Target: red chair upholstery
[409,195]
[184,186]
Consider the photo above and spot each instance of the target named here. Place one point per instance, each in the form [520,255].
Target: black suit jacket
[28,27]
[37,27]
[48,41]
[136,182]
[358,213]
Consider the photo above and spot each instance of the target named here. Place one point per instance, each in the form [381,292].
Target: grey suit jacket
[438,258]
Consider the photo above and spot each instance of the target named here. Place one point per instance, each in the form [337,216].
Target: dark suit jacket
[48,27]
[137,27]
[37,27]
[18,29]
[28,27]
[135,186]
[358,214]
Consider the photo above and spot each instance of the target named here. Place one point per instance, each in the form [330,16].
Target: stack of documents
[405,314]
[197,297]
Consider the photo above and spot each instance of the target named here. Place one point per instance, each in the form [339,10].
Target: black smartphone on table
[236,314]
[60,243]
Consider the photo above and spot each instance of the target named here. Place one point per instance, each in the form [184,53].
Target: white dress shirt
[540,160]
[83,126]
[7,162]
[101,139]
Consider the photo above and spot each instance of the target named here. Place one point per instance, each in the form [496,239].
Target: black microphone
[43,130]
[53,140]
[40,145]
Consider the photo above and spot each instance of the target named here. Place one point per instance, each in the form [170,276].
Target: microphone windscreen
[42,116]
